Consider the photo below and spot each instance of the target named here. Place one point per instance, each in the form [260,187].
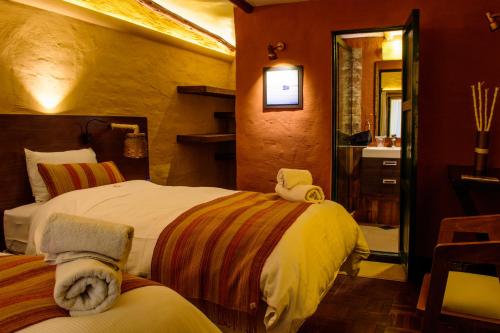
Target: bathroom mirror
[388,98]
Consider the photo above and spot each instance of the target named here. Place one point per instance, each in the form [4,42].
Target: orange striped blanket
[26,292]
[214,252]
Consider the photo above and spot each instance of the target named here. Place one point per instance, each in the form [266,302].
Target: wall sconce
[135,144]
[271,50]
[494,25]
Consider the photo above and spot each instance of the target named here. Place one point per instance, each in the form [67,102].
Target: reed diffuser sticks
[483,125]
[483,120]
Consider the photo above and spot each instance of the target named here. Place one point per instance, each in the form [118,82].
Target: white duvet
[152,309]
[295,277]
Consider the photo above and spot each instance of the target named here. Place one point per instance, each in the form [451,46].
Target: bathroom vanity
[380,185]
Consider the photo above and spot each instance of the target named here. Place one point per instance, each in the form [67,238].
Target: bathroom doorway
[374,120]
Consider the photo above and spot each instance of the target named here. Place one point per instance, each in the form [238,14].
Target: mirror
[388,98]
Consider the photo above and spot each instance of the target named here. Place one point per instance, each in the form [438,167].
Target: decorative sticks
[483,120]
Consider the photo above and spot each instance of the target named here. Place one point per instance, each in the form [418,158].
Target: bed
[144,309]
[294,278]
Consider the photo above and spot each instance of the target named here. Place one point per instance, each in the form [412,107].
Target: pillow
[62,178]
[38,187]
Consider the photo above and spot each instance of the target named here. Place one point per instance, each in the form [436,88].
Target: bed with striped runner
[214,253]
[26,291]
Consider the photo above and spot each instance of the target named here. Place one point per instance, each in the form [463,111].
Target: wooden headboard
[51,133]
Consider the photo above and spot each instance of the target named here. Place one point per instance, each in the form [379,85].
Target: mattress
[16,224]
[296,275]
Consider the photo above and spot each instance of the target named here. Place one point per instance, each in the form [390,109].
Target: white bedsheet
[16,225]
[152,309]
[296,275]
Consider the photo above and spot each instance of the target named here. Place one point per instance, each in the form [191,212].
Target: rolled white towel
[289,178]
[65,233]
[61,258]
[86,286]
[305,193]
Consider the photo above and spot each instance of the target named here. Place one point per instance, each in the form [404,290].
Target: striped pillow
[62,178]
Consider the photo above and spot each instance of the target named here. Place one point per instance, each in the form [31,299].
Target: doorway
[374,134]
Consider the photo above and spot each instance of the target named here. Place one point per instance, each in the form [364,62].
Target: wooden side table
[463,187]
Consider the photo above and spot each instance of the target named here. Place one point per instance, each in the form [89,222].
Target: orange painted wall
[457,50]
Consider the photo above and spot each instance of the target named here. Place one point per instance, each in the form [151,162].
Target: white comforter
[296,275]
[152,309]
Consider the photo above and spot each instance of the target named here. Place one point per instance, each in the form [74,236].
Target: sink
[382,152]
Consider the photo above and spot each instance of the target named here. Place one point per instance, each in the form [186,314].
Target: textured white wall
[54,64]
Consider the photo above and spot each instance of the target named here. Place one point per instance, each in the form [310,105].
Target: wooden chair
[472,299]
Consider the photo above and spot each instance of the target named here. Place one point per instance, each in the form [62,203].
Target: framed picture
[283,87]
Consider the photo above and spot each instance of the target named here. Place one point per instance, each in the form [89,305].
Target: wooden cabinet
[380,187]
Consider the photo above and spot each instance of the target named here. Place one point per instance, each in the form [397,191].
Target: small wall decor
[283,87]
[483,114]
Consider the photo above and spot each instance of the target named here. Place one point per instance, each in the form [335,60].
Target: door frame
[375,255]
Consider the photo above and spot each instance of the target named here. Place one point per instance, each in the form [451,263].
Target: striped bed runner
[215,252]
[26,292]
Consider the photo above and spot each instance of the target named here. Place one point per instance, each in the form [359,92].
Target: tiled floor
[381,239]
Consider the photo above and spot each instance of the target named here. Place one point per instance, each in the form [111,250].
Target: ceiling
[215,16]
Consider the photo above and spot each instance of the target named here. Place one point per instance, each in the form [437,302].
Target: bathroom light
[271,50]
[494,25]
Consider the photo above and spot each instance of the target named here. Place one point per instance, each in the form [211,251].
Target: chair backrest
[448,251]
[485,224]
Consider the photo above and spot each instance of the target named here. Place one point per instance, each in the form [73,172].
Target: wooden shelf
[225,156]
[206,138]
[224,115]
[206,91]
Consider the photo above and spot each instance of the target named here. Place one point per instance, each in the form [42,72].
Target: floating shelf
[224,115]
[206,91]
[225,156]
[206,138]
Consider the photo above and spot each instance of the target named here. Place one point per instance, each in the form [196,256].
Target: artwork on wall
[283,87]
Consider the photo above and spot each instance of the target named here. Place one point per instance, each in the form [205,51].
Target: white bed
[16,224]
[151,309]
[295,277]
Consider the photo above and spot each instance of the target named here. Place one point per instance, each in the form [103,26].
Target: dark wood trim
[206,91]
[242,4]
[388,257]
[409,177]
[206,138]
[173,16]
[224,115]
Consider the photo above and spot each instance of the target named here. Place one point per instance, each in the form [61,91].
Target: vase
[481,153]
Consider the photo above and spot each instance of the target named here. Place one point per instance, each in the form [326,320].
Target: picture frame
[283,87]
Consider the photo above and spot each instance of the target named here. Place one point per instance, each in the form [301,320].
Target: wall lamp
[271,50]
[492,19]
[135,144]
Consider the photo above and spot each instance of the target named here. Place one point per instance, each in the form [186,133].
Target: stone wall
[54,64]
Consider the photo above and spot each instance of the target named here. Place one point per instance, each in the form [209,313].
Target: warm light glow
[214,15]
[46,72]
[47,93]
[133,12]
[392,47]
[392,50]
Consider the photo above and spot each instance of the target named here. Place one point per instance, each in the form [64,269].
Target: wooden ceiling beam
[244,5]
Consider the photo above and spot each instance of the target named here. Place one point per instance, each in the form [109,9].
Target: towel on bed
[86,286]
[305,193]
[64,233]
[289,178]
[89,255]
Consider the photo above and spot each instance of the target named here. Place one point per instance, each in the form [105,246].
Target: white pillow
[38,187]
